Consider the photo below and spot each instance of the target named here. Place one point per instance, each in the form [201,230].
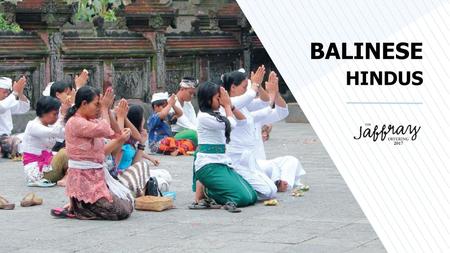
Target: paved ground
[327,219]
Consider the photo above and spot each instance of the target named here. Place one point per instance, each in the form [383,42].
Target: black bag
[152,187]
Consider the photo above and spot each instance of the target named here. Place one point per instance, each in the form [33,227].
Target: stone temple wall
[151,46]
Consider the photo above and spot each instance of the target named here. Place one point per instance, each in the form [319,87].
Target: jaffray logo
[397,134]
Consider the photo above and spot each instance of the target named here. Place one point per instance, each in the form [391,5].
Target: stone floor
[326,219]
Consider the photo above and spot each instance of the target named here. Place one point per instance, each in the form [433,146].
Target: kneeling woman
[43,168]
[218,181]
[93,193]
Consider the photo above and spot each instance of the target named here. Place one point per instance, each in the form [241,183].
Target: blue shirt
[158,129]
[128,153]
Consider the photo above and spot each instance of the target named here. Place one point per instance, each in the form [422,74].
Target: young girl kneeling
[218,181]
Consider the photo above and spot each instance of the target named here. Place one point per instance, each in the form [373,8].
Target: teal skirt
[223,184]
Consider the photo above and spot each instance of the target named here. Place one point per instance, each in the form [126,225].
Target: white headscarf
[5,83]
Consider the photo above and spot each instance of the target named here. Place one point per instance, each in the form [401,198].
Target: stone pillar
[160,41]
[56,68]
[247,55]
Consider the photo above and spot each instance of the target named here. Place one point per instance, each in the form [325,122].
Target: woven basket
[152,203]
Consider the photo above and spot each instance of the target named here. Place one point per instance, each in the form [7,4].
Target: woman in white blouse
[41,167]
[214,177]
[246,148]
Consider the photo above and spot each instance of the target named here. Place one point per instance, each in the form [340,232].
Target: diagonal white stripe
[402,189]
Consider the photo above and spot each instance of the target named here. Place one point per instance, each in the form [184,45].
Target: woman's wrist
[140,146]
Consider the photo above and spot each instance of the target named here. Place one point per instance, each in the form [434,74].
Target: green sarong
[187,134]
[222,183]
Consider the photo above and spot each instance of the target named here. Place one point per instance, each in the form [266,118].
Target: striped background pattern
[402,189]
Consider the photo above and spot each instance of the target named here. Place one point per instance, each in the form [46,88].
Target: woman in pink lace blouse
[93,193]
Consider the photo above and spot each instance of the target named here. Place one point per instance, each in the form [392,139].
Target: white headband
[185,83]
[5,83]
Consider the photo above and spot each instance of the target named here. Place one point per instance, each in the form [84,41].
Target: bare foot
[68,206]
[282,186]
[174,153]
[62,182]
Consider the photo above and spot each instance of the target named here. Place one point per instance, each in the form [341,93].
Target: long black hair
[46,104]
[206,91]
[136,116]
[86,93]
[233,77]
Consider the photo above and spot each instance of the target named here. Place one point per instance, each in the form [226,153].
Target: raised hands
[67,102]
[19,86]
[122,109]
[107,99]
[272,86]
[82,79]
[257,77]
[224,98]
[172,100]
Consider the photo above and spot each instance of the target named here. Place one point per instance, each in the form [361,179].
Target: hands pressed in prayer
[224,98]
[272,86]
[19,86]
[107,99]
[257,77]
[82,79]
[122,109]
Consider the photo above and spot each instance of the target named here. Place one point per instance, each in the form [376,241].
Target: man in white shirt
[14,102]
[186,126]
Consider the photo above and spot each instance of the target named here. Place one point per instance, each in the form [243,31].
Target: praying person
[65,93]
[243,135]
[158,124]
[93,192]
[185,126]
[131,152]
[214,175]
[14,102]
[285,171]
[42,167]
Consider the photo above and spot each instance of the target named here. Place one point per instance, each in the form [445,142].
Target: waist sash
[211,148]
[114,186]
